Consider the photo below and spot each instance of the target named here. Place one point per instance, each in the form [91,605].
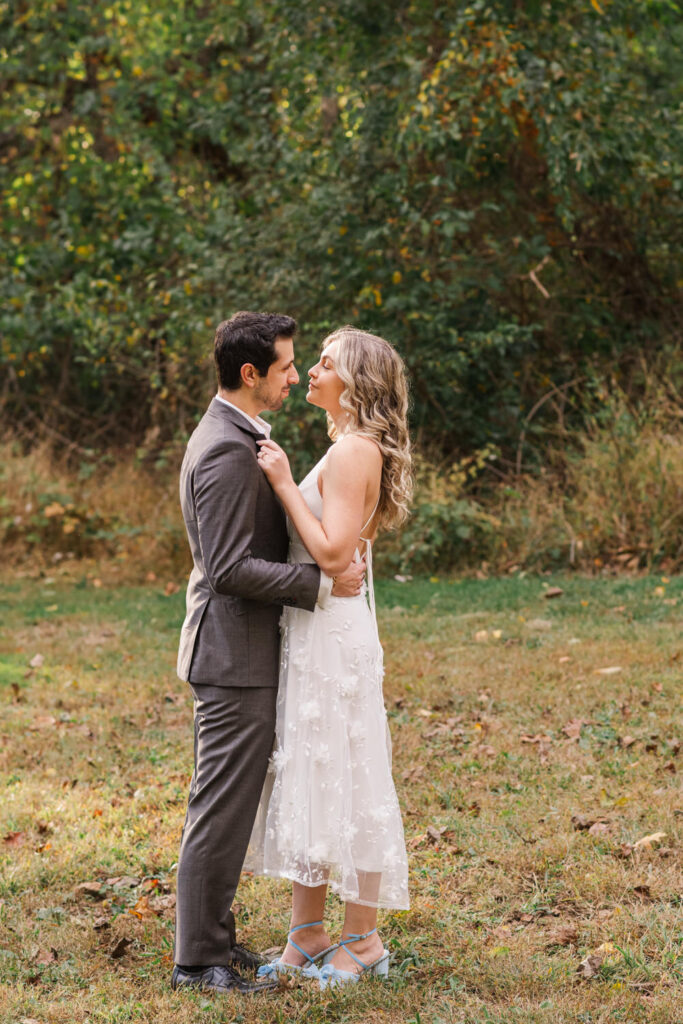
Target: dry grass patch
[528,775]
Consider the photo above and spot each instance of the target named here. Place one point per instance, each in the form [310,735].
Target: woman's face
[325,386]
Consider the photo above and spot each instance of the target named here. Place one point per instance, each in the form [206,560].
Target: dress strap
[368,560]
[369,520]
[370,581]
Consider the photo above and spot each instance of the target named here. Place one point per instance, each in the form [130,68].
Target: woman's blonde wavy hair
[376,398]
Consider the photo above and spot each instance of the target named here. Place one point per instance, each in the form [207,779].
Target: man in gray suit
[229,644]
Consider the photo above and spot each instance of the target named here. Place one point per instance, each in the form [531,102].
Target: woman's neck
[342,424]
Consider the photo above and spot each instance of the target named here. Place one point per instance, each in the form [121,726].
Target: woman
[332,818]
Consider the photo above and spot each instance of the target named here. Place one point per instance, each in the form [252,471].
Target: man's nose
[293,376]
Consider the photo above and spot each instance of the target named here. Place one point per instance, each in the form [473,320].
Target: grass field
[536,754]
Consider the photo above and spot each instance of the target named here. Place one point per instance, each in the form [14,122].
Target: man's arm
[225,492]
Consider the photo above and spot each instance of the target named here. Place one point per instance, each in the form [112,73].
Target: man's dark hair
[248,338]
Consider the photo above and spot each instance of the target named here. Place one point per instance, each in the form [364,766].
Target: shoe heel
[381,968]
[327,955]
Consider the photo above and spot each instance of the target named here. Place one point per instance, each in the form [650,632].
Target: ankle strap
[298,948]
[355,938]
[298,927]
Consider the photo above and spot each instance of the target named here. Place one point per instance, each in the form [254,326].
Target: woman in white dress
[329,815]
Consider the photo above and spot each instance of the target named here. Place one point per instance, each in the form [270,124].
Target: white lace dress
[329,811]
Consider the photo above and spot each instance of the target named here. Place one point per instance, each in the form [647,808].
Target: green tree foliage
[496,188]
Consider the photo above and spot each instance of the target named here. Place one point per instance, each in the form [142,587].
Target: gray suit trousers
[234,728]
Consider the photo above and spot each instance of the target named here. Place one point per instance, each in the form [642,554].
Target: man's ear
[249,375]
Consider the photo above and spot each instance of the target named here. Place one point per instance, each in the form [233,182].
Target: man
[229,644]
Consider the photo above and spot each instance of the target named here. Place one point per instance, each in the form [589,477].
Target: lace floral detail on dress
[329,811]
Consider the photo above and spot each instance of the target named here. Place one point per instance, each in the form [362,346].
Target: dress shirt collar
[260,424]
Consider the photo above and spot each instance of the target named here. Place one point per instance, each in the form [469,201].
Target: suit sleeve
[225,493]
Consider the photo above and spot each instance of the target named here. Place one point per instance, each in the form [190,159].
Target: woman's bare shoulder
[354,459]
[351,447]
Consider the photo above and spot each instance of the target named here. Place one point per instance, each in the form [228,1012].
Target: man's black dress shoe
[240,956]
[218,979]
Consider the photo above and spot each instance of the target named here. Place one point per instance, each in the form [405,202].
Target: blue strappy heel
[276,967]
[331,975]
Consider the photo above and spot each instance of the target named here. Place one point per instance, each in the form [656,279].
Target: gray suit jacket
[238,537]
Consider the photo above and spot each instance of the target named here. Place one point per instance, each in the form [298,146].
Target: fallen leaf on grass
[583,823]
[123,881]
[161,903]
[92,889]
[542,744]
[14,839]
[118,950]
[142,908]
[540,624]
[100,923]
[46,956]
[439,838]
[604,915]
[599,828]
[37,661]
[481,635]
[565,935]
[647,842]
[42,722]
[435,833]
[485,751]
[627,741]
[153,884]
[589,967]
[643,890]
[527,917]
[171,588]
[553,592]
[572,730]
[609,671]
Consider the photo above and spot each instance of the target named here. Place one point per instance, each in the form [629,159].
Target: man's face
[271,390]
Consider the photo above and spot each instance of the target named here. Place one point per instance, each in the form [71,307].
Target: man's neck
[241,400]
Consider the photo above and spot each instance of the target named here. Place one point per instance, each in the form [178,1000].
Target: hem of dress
[336,888]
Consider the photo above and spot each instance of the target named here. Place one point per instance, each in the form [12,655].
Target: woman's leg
[308,905]
[359,920]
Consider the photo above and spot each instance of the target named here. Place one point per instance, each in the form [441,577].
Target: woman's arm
[352,470]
